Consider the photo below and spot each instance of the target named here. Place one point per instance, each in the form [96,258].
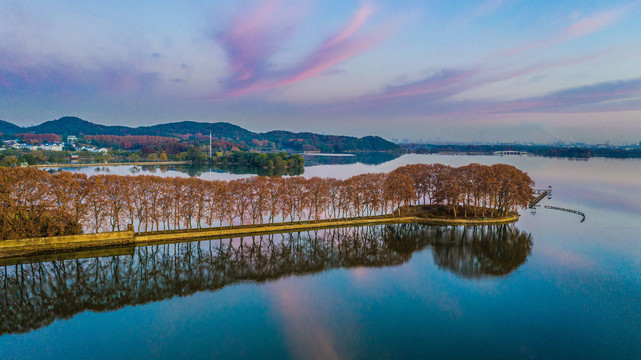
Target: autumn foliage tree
[39,138]
[32,205]
[129,142]
[37,203]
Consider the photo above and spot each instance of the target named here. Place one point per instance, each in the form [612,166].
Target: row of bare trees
[37,203]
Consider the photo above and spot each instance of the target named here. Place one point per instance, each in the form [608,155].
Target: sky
[435,71]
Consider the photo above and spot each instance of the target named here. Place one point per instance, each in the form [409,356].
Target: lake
[547,287]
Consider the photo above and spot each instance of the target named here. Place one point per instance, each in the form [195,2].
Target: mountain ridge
[300,141]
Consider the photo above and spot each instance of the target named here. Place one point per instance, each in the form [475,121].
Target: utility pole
[210,143]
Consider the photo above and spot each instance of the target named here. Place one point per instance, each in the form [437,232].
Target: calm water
[547,287]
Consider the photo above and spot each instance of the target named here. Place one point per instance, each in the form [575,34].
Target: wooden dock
[539,197]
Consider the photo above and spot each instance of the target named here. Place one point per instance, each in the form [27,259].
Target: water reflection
[368,158]
[37,293]
[219,171]
[202,171]
[236,169]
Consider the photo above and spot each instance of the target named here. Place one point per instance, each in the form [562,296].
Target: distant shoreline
[139,163]
[580,152]
[327,154]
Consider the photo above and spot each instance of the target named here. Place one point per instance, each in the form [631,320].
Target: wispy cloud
[41,55]
[444,84]
[624,95]
[590,98]
[590,24]
[26,74]
[340,47]
[250,42]
[578,29]
[485,9]
[435,93]
[488,7]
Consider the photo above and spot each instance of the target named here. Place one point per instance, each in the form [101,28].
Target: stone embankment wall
[33,246]
[55,244]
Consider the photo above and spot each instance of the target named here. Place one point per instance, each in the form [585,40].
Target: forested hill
[69,125]
[219,129]
[304,141]
[327,143]
[9,128]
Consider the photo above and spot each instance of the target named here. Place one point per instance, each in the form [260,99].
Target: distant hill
[327,143]
[304,141]
[9,128]
[70,125]
[219,130]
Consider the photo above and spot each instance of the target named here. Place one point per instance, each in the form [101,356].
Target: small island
[457,215]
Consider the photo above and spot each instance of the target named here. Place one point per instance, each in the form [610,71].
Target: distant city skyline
[486,71]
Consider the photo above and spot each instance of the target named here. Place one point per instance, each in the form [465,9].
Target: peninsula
[43,212]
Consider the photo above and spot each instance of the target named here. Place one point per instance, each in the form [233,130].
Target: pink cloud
[449,82]
[249,40]
[357,20]
[590,25]
[249,52]
[338,48]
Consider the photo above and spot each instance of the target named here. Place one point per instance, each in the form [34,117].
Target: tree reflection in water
[36,294]
[470,251]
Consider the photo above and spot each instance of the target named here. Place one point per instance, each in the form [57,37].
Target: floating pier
[567,210]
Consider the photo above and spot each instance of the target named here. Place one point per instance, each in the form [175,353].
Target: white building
[52,147]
